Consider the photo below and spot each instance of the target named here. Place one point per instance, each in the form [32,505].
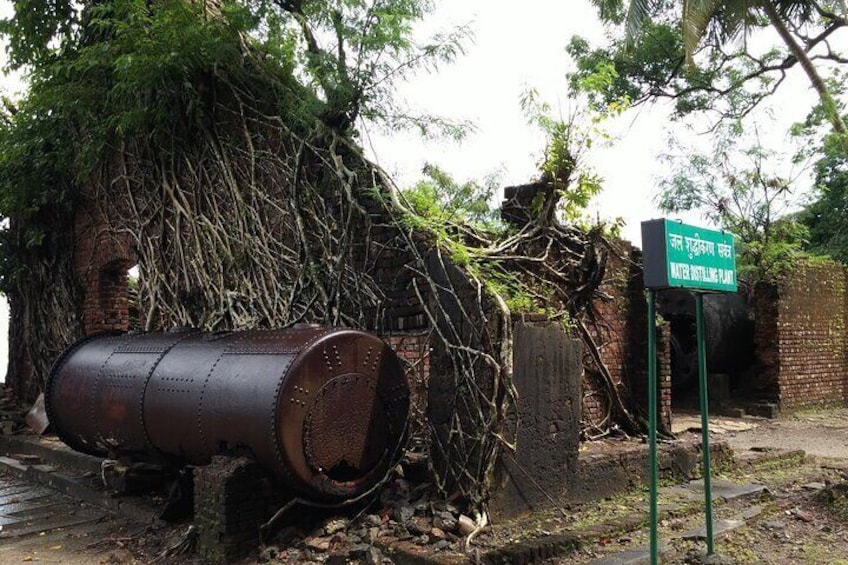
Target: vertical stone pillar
[547,375]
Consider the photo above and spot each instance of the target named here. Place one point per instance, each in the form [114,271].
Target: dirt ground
[802,518]
[820,433]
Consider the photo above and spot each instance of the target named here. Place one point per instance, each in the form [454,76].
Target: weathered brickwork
[620,332]
[102,259]
[232,498]
[414,351]
[801,336]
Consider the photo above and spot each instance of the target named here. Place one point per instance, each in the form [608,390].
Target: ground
[802,517]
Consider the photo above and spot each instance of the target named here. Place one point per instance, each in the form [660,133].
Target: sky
[517,46]
[517,49]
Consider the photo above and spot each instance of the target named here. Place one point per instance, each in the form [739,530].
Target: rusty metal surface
[323,409]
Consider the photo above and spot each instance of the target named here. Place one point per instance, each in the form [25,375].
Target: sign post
[652,420]
[705,420]
[677,255]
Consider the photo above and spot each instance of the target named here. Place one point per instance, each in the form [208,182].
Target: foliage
[568,142]
[826,217]
[441,199]
[348,53]
[737,186]
[725,77]
[28,160]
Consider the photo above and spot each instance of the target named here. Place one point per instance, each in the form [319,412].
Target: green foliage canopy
[736,186]
[726,76]
[105,74]
[827,216]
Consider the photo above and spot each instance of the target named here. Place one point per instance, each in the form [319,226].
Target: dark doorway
[729,330]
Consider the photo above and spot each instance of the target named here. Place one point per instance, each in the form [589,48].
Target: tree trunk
[44,304]
[798,52]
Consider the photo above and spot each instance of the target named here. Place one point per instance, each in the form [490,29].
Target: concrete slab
[13,464]
[752,512]
[23,497]
[35,527]
[639,556]
[726,490]
[36,507]
[10,509]
[635,557]
[14,489]
[49,450]
[76,487]
[721,527]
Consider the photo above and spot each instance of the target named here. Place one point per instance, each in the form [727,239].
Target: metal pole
[652,421]
[705,416]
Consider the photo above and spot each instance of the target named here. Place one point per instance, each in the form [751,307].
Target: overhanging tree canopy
[697,54]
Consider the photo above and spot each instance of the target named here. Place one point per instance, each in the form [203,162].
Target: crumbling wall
[102,259]
[621,333]
[801,336]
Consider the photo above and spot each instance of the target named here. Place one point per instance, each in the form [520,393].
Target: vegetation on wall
[220,138]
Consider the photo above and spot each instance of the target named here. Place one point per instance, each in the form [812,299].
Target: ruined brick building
[800,336]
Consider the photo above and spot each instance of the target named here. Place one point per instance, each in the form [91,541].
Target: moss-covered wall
[620,331]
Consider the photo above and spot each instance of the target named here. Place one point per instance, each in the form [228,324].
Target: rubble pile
[403,513]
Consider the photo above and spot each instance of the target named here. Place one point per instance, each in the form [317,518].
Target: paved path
[39,524]
[822,433]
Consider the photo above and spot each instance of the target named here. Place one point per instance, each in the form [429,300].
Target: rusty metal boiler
[323,409]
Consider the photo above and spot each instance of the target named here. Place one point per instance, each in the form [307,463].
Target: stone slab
[13,464]
[35,507]
[722,489]
[23,529]
[74,486]
[13,489]
[24,505]
[639,556]
[721,527]
[30,494]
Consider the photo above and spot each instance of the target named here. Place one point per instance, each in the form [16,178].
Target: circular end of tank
[350,403]
[342,415]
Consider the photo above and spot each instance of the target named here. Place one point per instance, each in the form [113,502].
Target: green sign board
[677,255]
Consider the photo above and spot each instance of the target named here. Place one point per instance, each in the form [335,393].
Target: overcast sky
[515,49]
[516,46]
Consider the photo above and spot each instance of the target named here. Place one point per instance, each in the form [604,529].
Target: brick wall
[620,331]
[414,351]
[801,336]
[102,259]
[232,498]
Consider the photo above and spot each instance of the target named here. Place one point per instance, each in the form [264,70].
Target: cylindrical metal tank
[728,328]
[324,410]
